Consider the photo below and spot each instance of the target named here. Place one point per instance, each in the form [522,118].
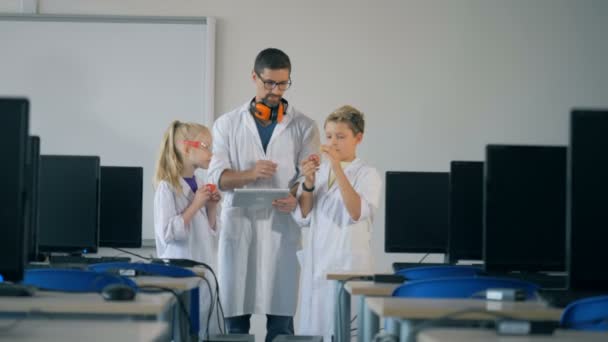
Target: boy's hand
[309,167]
[331,153]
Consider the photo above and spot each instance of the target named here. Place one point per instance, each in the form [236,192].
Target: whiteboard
[109,85]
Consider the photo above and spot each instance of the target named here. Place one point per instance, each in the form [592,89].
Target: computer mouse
[118,292]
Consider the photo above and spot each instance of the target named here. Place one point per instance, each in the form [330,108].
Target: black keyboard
[401,265]
[545,281]
[69,259]
[561,298]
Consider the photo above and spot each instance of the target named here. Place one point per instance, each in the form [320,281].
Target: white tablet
[257,198]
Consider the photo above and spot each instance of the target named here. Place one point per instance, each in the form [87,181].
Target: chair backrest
[461,287]
[429,272]
[71,280]
[586,314]
[143,269]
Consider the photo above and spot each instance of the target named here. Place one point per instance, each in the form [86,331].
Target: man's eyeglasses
[197,144]
[270,84]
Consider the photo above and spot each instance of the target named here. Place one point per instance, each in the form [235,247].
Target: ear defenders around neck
[263,111]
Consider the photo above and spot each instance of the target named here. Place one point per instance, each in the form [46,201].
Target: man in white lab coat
[260,145]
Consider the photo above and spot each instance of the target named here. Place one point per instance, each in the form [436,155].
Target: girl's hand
[215,195]
[201,197]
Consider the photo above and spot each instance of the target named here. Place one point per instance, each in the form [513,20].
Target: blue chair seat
[587,314]
[429,272]
[460,287]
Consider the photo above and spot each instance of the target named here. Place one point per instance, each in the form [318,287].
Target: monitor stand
[15,290]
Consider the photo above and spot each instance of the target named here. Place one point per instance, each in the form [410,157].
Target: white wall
[437,79]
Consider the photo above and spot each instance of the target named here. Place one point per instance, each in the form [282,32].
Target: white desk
[406,310]
[478,335]
[26,330]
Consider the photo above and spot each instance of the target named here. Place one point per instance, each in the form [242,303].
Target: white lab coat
[335,242]
[258,268]
[197,241]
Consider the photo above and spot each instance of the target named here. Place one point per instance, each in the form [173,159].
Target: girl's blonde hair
[349,115]
[170,163]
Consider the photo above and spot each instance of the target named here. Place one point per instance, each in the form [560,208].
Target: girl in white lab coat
[185,208]
[338,200]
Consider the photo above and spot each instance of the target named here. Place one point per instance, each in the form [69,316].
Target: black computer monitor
[121,206]
[69,204]
[32,215]
[416,212]
[587,191]
[465,232]
[524,208]
[14,114]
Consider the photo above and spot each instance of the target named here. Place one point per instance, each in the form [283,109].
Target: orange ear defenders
[264,112]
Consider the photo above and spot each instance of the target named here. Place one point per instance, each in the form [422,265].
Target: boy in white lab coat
[338,200]
[186,209]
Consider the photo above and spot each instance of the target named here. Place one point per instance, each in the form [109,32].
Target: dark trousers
[275,325]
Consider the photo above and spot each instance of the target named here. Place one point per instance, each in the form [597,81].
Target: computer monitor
[465,232]
[121,206]
[524,208]
[14,121]
[416,212]
[587,223]
[32,215]
[69,204]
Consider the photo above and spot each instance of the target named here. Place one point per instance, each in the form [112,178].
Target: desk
[364,289]
[185,288]
[79,305]
[342,309]
[26,330]
[407,309]
[478,335]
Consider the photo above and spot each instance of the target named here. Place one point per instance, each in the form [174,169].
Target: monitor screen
[14,128]
[32,177]
[587,191]
[69,204]
[465,232]
[525,208]
[120,206]
[416,207]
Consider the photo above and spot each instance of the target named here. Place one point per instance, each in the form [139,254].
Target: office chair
[71,280]
[586,314]
[461,287]
[430,272]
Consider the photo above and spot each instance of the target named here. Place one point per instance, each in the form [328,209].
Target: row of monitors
[527,208]
[59,203]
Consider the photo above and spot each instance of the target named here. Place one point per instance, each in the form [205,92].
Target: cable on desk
[175,294]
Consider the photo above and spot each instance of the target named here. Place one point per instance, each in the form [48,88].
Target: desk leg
[342,314]
[406,327]
[360,315]
[392,326]
[371,324]
[181,326]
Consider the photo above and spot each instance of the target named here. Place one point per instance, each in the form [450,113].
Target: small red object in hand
[210,187]
[314,157]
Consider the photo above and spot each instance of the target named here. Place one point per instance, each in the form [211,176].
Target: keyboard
[560,298]
[545,281]
[15,290]
[70,259]
[401,265]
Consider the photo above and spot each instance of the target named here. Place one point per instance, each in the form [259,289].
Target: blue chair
[430,272]
[71,280]
[460,287]
[586,314]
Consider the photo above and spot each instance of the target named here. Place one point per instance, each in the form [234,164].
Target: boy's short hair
[272,59]
[349,115]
